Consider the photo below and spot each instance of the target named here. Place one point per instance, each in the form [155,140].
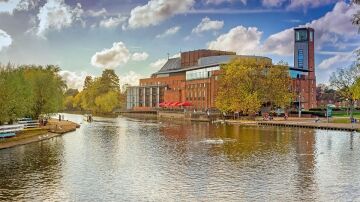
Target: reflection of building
[303,72]
[193,76]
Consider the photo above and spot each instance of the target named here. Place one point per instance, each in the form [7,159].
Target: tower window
[300,58]
[311,35]
[301,35]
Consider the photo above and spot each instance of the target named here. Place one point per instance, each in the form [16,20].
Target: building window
[300,58]
[301,35]
[311,35]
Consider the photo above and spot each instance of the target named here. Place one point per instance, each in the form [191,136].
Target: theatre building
[192,78]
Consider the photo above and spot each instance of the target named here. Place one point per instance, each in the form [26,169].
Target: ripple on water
[142,160]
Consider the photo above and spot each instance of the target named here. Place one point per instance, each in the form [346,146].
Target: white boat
[10,130]
[28,123]
[88,118]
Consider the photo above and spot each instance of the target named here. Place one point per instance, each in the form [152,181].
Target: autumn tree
[345,82]
[99,95]
[247,84]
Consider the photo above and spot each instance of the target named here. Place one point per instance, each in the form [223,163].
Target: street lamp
[299,106]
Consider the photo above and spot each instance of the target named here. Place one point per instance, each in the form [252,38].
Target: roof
[171,64]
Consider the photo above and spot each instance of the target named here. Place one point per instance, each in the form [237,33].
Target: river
[124,159]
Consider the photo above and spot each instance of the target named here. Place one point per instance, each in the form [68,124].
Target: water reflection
[146,160]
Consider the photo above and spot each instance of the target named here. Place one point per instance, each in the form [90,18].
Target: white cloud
[8,6]
[55,14]
[169,32]
[281,43]
[157,11]
[98,13]
[113,21]
[333,28]
[113,57]
[273,3]
[5,39]
[339,60]
[140,56]
[295,4]
[73,79]
[217,2]
[240,39]
[158,63]
[132,78]
[206,25]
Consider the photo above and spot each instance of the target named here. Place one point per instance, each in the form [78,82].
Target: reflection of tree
[23,168]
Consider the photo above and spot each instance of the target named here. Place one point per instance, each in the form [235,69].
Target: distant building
[193,76]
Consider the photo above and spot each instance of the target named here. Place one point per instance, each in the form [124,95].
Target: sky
[135,37]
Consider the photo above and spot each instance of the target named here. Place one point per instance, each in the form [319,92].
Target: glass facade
[295,74]
[200,73]
[300,58]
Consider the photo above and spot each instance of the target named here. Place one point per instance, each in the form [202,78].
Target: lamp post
[299,106]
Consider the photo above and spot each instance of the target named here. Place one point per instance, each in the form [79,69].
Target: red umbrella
[173,104]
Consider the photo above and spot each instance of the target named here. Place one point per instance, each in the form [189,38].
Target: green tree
[14,93]
[47,89]
[246,84]
[106,103]
[344,81]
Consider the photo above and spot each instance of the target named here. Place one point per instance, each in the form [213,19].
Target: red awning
[173,104]
[162,104]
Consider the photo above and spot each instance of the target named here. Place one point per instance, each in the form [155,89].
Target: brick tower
[303,72]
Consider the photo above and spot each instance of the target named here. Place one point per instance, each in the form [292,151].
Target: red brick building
[193,76]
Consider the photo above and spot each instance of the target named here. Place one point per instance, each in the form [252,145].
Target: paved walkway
[301,123]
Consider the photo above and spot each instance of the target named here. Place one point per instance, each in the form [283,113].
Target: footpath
[301,123]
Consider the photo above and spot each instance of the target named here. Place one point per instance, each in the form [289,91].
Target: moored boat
[10,130]
[87,118]
[28,123]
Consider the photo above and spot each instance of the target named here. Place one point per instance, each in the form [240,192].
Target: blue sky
[134,37]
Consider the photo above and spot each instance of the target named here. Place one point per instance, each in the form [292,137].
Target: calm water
[137,160]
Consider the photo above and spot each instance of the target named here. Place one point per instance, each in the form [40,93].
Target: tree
[106,103]
[47,89]
[29,90]
[15,94]
[344,81]
[246,84]
[101,94]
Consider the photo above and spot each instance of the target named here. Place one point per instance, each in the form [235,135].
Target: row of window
[201,73]
[196,85]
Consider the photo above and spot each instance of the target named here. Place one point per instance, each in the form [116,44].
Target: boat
[28,122]
[88,118]
[10,130]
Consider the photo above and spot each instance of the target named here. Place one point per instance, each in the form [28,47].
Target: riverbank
[54,128]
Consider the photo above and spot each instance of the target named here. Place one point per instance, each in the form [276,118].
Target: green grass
[345,115]
[340,120]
